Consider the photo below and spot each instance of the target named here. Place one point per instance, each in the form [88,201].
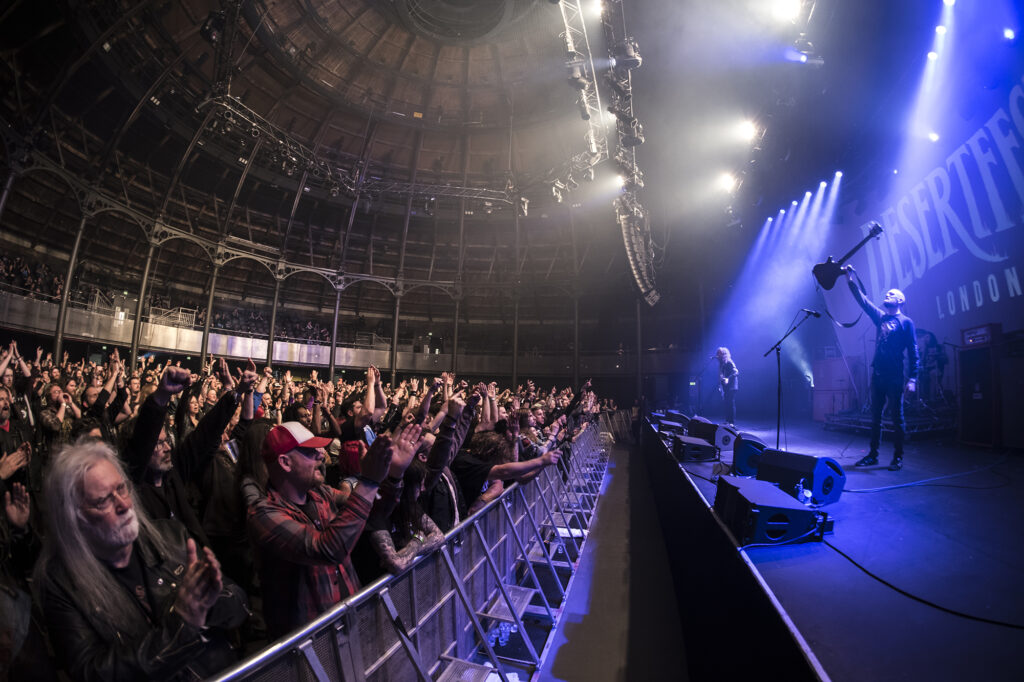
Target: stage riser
[722,604]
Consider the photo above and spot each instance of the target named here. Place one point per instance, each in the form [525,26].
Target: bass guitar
[828,272]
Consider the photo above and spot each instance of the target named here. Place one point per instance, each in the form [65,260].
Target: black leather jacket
[141,646]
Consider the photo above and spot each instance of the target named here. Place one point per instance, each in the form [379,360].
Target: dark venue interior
[511,339]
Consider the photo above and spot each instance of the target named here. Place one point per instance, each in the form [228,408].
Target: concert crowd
[161,523]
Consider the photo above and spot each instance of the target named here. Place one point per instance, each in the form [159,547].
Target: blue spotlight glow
[933,56]
[1009,33]
[839,174]
[933,136]
[941,30]
[948,3]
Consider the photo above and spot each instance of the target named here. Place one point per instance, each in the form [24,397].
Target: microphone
[811,312]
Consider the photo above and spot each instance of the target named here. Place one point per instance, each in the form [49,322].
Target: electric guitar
[828,272]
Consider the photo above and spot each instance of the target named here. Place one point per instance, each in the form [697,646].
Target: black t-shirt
[133,578]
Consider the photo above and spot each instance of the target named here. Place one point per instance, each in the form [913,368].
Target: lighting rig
[624,56]
[630,213]
[261,143]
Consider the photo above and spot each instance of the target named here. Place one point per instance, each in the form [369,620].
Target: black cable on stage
[921,600]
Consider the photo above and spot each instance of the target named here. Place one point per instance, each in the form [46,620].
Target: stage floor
[951,535]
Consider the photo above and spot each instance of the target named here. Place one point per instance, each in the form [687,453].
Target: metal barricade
[475,606]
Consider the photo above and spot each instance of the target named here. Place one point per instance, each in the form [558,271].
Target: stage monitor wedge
[746,454]
[822,476]
[687,449]
[756,512]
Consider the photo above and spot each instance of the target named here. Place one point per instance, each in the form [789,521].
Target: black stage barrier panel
[732,626]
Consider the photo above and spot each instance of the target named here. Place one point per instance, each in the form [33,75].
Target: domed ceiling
[379,147]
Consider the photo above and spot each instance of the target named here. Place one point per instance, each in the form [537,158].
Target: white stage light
[948,3]
[748,130]
[786,10]
[941,30]
[727,182]
[1009,34]
[933,136]
[620,180]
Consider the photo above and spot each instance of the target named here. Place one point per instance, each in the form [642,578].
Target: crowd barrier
[483,603]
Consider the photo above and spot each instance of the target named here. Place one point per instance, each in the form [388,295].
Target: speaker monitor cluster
[689,449]
[746,454]
[756,512]
[822,476]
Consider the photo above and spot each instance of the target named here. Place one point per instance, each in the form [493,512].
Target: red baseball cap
[290,435]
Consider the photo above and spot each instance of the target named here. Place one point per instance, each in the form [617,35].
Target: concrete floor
[619,621]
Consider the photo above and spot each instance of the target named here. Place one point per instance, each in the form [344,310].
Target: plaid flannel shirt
[305,566]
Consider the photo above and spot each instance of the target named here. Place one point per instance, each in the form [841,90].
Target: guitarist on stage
[895,334]
[727,382]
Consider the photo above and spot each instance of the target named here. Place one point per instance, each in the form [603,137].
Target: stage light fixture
[748,130]
[577,78]
[213,28]
[1009,33]
[948,3]
[634,137]
[588,174]
[620,180]
[941,30]
[626,55]
[727,182]
[933,136]
[932,56]
[786,10]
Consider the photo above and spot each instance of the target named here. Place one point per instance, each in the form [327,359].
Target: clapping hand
[200,587]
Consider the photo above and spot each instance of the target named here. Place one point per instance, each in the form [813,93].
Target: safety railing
[483,603]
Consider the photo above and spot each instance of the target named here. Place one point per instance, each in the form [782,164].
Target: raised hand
[16,504]
[11,462]
[224,374]
[404,448]
[376,461]
[174,380]
[248,377]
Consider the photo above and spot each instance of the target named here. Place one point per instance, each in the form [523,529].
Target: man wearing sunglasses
[304,530]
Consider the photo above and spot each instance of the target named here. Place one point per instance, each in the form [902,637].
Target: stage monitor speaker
[688,449]
[822,476]
[676,416]
[700,427]
[746,454]
[756,512]
[667,426]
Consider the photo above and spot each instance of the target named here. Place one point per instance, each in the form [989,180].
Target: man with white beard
[126,597]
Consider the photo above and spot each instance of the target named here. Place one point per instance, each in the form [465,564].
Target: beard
[107,538]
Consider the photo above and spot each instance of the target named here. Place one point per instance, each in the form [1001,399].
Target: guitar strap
[846,325]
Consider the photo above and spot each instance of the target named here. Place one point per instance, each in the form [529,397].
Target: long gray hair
[65,544]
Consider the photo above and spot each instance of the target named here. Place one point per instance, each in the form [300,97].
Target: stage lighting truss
[579,65]
[258,143]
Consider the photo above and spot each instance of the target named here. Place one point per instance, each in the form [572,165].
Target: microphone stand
[700,385]
[778,365]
